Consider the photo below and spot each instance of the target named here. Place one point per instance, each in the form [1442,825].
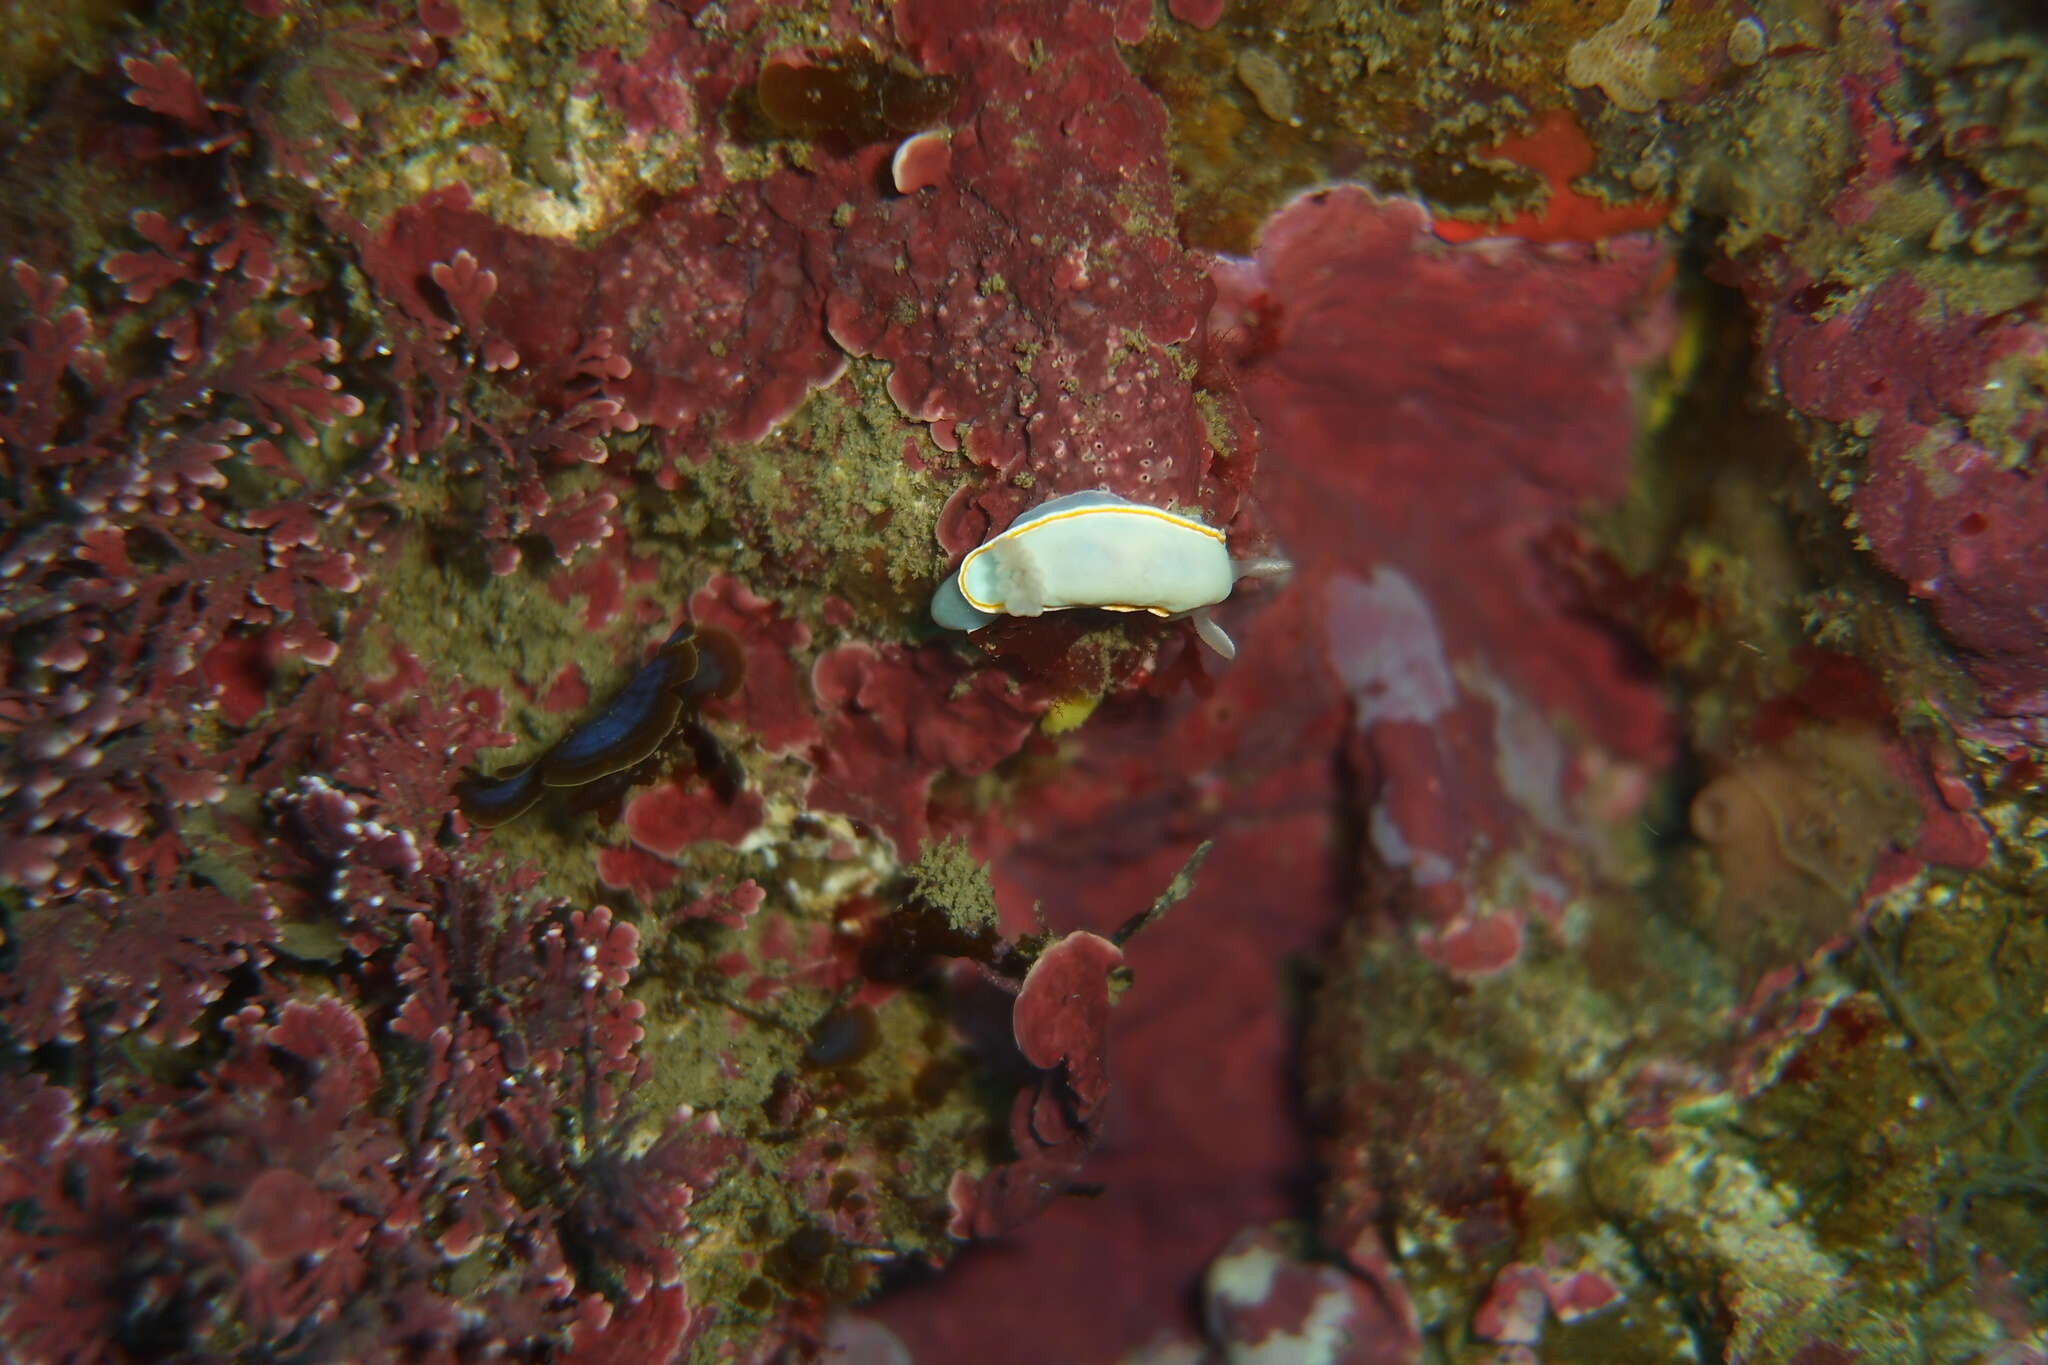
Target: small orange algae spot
[1557,149]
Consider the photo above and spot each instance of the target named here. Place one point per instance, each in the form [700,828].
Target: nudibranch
[690,666]
[1096,549]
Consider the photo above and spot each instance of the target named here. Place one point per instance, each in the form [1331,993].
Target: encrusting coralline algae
[1618,937]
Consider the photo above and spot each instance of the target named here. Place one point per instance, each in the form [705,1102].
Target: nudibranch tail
[491,801]
[1242,569]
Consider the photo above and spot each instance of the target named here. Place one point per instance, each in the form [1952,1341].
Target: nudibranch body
[689,667]
[1096,549]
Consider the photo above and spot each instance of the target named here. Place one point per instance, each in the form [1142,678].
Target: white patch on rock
[1384,644]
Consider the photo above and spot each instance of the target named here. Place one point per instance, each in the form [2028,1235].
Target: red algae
[1620,915]
[1274,721]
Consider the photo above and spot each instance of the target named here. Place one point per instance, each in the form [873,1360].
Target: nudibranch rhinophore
[1095,549]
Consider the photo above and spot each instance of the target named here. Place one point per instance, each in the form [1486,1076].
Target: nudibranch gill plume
[1095,549]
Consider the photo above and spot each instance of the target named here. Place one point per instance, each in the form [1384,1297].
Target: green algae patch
[512,636]
[842,500]
[947,875]
[39,42]
[510,119]
[1276,99]
[1492,1101]
[847,1150]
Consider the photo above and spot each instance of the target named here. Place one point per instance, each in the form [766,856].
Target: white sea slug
[1096,549]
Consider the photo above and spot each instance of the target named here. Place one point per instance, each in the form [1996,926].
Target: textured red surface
[1966,535]
[666,818]
[1025,301]
[1061,1025]
[1397,370]
[1044,278]
[726,322]
[894,719]
[1062,1013]
[772,704]
[1395,367]
[1418,710]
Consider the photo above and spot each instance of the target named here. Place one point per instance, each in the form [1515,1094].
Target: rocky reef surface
[497,862]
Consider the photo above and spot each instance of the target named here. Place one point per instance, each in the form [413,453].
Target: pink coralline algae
[323,473]
[775,707]
[1460,650]
[321,1034]
[1061,1024]
[1195,1139]
[1933,391]
[1026,300]
[337,1238]
[740,280]
[671,815]
[1524,1296]
[114,613]
[895,719]
[1043,285]
[1557,149]
[1965,529]
[662,822]
[1425,667]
